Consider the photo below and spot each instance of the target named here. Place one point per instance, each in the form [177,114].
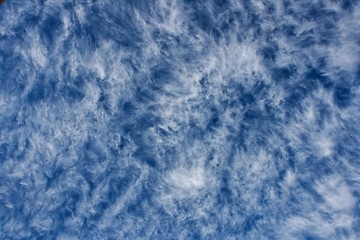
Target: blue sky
[179,119]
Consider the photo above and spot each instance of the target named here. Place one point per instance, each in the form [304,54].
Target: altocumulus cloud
[169,119]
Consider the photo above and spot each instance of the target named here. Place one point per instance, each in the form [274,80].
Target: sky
[178,119]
